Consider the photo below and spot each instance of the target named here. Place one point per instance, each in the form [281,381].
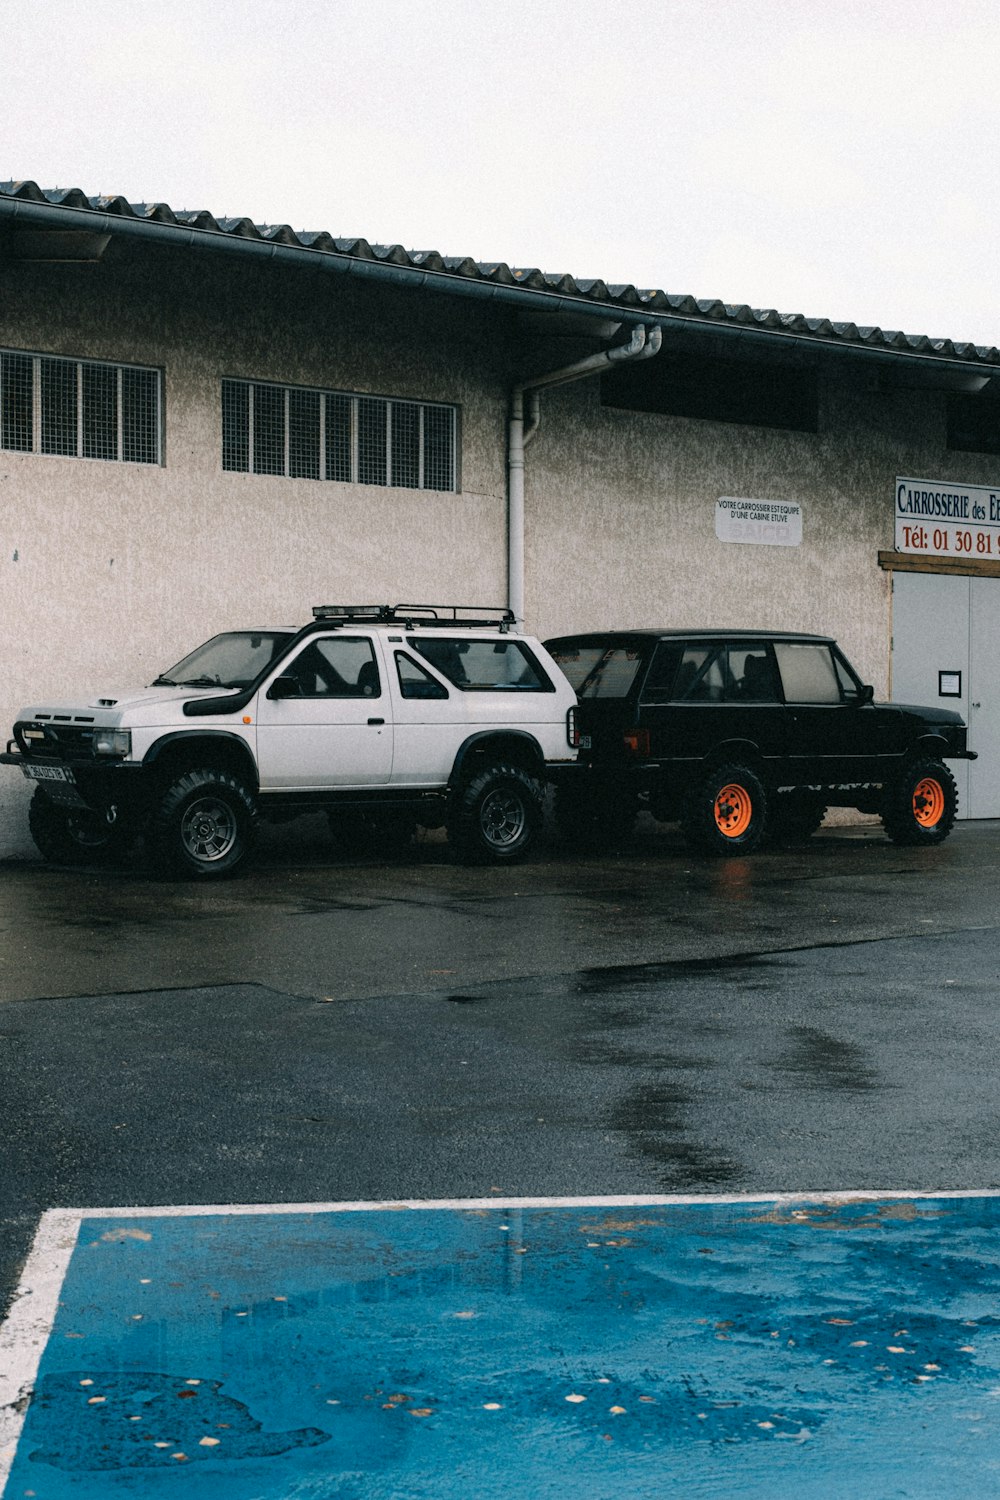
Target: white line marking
[29,1323]
[623,1201]
[27,1327]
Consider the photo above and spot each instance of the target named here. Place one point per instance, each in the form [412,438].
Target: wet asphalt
[334,1028]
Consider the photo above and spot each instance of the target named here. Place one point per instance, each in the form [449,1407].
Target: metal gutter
[183,237]
[20,211]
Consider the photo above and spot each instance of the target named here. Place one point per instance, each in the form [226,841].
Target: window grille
[16,415]
[140,415]
[373,434]
[268,430]
[339,440]
[406,445]
[79,408]
[59,414]
[100,411]
[303,434]
[311,434]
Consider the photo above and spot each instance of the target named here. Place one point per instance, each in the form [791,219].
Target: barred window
[311,434]
[339,441]
[16,425]
[79,408]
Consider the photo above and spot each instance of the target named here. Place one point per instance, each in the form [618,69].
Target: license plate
[48,773]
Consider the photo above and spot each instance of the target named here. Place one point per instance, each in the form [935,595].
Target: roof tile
[625,295]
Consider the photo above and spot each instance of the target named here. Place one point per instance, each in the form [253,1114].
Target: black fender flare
[741,751]
[519,741]
[930,744]
[233,742]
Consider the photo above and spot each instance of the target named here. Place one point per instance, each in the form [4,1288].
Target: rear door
[336,730]
[700,695]
[447,688]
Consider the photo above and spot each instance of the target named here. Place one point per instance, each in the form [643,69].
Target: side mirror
[285,687]
[866,695]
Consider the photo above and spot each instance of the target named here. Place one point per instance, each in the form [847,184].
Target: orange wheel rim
[928,802]
[733,811]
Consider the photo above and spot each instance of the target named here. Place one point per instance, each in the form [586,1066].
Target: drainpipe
[643,344]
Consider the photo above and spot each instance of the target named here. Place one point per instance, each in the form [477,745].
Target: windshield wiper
[204,681]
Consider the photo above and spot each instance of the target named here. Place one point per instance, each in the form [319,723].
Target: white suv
[387,716]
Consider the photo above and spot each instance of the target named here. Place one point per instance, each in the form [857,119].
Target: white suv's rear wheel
[495,816]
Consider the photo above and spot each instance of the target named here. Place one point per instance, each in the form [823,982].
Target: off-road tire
[727,813]
[920,803]
[204,826]
[794,817]
[495,816]
[66,836]
[594,816]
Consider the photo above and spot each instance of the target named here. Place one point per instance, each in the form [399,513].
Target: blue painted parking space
[641,1348]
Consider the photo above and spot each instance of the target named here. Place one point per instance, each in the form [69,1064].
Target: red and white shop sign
[945,519]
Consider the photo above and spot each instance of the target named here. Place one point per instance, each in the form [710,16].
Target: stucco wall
[109,572]
[621,515]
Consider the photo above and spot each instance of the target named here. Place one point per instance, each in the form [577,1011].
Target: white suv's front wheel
[204,825]
[495,816]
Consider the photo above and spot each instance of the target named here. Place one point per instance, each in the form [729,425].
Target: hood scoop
[106,702]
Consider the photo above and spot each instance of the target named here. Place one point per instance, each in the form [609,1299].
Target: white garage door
[945,630]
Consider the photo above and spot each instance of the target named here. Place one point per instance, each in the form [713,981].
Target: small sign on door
[949,684]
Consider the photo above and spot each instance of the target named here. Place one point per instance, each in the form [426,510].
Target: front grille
[60,739]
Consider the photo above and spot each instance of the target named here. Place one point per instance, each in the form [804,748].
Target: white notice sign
[768,523]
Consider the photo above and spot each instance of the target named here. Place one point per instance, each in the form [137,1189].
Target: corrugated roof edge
[495,278]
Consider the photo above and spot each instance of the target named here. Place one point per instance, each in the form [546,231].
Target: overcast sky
[829,157]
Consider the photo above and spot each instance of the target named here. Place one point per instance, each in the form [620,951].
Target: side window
[484,666]
[807,672]
[701,675]
[337,666]
[850,687]
[662,673]
[414,681]
[752,678]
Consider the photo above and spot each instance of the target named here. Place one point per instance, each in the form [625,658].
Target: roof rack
[448,615]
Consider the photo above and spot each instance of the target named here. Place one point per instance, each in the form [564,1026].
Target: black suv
[742,735]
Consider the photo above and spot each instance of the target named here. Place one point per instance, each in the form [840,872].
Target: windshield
[232,660]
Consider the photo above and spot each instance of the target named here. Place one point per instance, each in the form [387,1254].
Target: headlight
[112,742]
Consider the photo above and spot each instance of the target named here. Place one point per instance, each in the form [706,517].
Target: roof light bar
[418,614]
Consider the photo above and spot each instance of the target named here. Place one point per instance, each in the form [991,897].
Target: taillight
[573,728]
[637,741]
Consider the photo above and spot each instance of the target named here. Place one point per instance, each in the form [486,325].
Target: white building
[206,424]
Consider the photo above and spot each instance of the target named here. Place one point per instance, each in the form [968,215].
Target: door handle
[376,721]
[977,705]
